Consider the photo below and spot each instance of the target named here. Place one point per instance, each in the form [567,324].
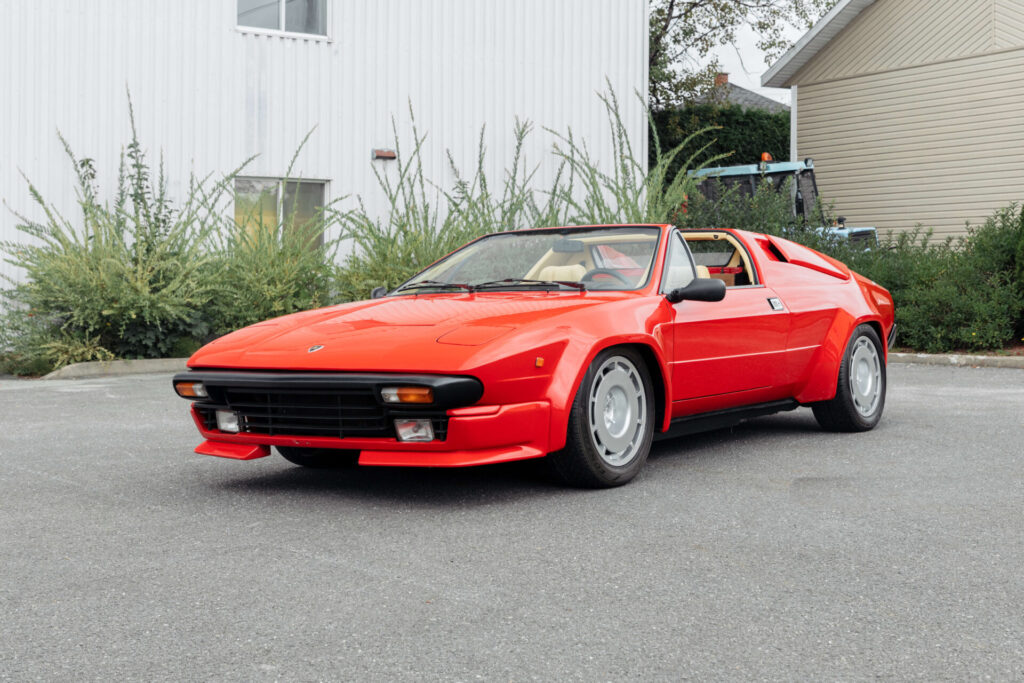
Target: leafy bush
[129,279]
[1019,267]
[265,271]
[957,295]
[25,340]
[949,296]
[145,278]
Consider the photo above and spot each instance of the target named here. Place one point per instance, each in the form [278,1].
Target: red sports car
[581,344]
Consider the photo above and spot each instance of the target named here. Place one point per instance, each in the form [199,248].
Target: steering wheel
[589,275]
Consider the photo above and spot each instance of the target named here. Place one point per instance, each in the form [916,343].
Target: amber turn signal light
[190,389]
[407,394]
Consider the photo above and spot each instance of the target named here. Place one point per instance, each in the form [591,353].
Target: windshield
[605,259]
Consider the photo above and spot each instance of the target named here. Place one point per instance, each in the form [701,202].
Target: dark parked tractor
[804,190]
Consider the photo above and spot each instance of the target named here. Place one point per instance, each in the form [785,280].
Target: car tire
[319,458]
[860,391]
[611,423]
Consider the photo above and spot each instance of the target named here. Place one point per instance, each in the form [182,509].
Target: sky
[745,63]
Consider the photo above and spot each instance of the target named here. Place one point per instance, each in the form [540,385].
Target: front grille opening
[336,412]
[352,412]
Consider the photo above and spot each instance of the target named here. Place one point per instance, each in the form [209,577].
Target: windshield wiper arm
[523,281]
[422,284]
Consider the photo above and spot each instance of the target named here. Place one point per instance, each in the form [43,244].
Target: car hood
[432,333]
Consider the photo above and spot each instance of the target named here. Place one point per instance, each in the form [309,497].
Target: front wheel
[860,391]
[319,458]
[611,424]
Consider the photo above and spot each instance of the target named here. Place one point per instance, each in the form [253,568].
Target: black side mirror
[701,289]
[378,292]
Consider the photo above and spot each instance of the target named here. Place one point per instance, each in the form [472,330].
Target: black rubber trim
[691,424]
[891,341]
[450,391]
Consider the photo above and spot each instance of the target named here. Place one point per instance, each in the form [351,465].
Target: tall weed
[423,221]
[629,193]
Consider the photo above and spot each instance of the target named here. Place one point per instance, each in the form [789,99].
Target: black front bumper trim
[450,391]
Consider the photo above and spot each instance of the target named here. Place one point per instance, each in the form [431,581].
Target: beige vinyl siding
[1009,23]
[937,145]
[892,34]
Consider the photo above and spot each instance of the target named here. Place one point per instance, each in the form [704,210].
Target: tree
[683,33]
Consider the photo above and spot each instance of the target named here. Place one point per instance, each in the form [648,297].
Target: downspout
[793,154]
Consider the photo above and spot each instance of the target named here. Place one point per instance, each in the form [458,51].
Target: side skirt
[691,424]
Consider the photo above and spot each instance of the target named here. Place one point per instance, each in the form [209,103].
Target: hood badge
[314,348]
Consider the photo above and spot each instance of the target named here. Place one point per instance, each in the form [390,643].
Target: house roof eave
[813,42]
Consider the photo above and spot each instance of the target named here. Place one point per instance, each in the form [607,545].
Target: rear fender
[824,376]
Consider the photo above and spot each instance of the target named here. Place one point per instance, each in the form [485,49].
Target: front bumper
[478,435]
[346,411]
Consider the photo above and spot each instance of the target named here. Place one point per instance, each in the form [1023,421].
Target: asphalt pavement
[769,551]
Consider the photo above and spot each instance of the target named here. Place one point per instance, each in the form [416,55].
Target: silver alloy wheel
[617,410]
[865,377]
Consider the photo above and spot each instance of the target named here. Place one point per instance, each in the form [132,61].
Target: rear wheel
[319,458]
[860,392]
[611,424]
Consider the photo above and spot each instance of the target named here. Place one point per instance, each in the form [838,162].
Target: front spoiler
[234,451]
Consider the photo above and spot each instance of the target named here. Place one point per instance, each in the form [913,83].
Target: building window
[292,16]
[274,201]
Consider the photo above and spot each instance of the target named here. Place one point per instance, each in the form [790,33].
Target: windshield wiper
[523,281]
[423,284]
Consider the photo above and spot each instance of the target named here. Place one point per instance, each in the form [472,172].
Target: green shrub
[128,279]
[266,271]
[23,339]
[950,296]
[1019,268]
[145,278]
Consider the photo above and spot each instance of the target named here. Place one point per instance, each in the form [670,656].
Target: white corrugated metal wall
[208,95]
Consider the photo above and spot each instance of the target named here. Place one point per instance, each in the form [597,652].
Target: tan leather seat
[703,273]
[570,273]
